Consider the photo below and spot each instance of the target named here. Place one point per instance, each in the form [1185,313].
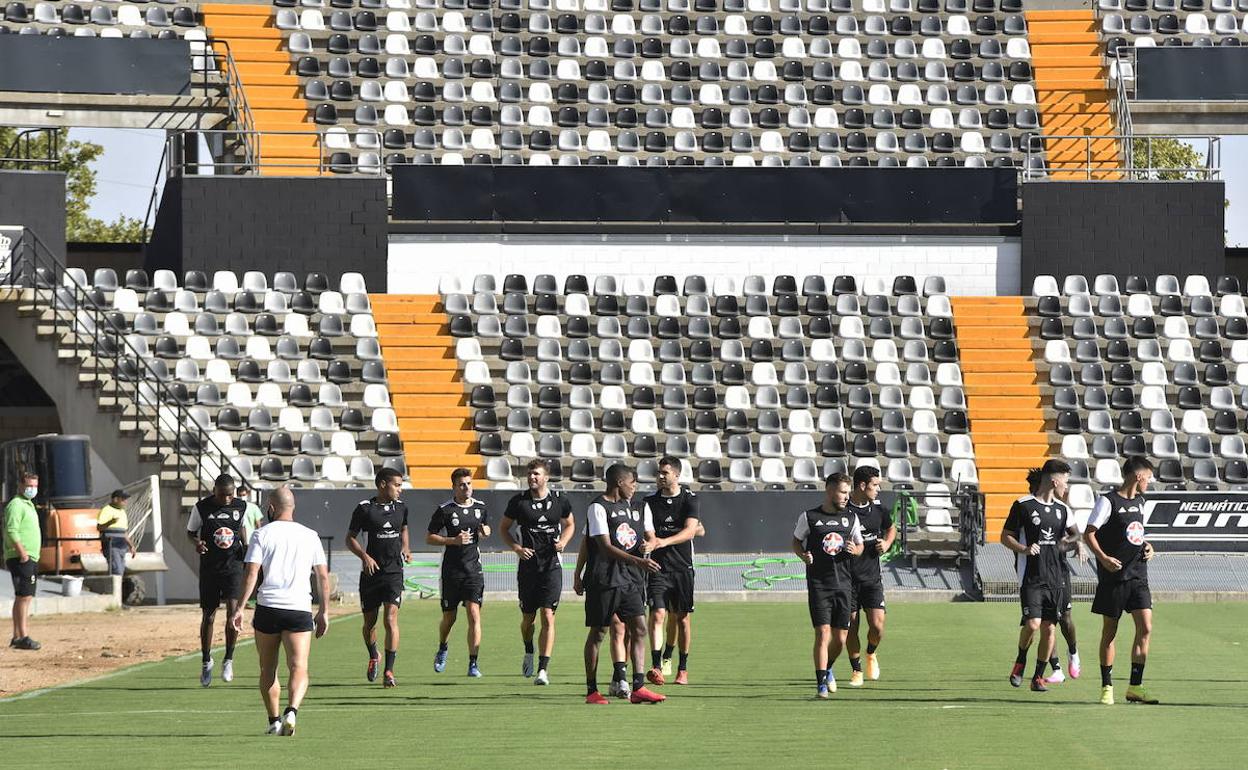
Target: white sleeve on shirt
[802,529]
[194,523]
[255,551]
[318,556]
[597,520]
[1100,512]
[647,519]
[855,532]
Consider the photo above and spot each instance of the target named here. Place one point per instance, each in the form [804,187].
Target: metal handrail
[18,153]
[1037,167]
[211,63]
[104,340]
[176,167]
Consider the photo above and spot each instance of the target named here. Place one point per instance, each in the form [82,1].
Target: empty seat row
[693,285]
[682,6]
[1162,286]
[224,281]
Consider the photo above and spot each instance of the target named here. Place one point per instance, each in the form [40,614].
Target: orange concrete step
[1001,356]
[983,391]
[237,9]
[435,425]
[411,406]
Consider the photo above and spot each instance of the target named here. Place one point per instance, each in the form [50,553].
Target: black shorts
[380,588]
[829,605]
[268,620]
[868,595]
[1042,601]
[215,587]
[1116,597]
[23,575]
[671,590]
[539,589]
[603,604]
[460,589]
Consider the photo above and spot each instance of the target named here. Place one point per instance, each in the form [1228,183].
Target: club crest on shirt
[833,543]
[223,537]
[626,535]
[1035,519]
[1135,533]
[454,521]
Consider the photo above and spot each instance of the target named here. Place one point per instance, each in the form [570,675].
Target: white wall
[986,265]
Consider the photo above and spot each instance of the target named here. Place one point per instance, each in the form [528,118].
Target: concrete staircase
[1072,89]
[1004,402]
[426,389]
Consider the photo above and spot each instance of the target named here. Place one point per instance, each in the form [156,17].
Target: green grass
[942,702]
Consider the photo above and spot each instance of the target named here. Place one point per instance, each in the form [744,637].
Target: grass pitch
[943,701]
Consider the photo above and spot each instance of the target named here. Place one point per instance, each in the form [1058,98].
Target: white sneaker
[526,667]
[205,674]
[1057,677]
[542,678]
[288,723]
[620,690]
[227,670]
[275,728]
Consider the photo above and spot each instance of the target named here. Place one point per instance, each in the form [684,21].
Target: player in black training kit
[827,539]
[1039,529]
[216,529]
[383,518]
[544,520]
[1115,534]
[674,512]
[458,525]
[614,558]
[1066,618]
[878,533]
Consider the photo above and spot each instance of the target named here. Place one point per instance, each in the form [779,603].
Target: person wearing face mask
[22,541]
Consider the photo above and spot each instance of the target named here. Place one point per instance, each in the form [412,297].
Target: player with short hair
[878,534]
[543,518]
[826,539]
[1066,619]
[1038,529]
[1115,534]
[615,560]
[675,513]
[383,519]
[458,525]
[216,527]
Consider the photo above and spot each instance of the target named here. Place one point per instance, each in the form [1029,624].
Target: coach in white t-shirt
[288,553]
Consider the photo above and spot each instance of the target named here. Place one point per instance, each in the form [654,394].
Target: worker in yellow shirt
[112,524]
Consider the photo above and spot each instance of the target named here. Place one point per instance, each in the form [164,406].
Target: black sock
[1039,669]
[291,710]
[272,719]
[591,685]
[472,660]
[390,655]
[442,647]
[1022,656]
[639,681]
[821,676]
[855,663]
[667,651]
[1137,674]
[619,672]
[1055,663]
[372,650]
[684,662]
[528,646]
[1072,649]
[205,657]
[871,648]
[543,661]
[1107,676]
[656,658]
[229,651]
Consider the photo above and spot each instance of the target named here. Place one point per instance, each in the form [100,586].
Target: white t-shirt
[286,551]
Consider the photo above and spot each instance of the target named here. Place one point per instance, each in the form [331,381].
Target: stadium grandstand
[774,239]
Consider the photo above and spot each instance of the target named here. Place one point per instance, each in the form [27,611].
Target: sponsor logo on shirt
[223,538]
[1135,533]
[626,536]
[833,543]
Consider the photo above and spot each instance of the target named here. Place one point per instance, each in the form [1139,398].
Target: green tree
[1170,154]
[74,158]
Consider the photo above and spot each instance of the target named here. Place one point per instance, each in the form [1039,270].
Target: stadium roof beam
[1190,117]
[113,111]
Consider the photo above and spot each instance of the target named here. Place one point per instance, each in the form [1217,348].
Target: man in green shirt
[253,519]
[21,556]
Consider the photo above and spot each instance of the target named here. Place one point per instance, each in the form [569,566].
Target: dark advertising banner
[1191,74]
[1197,521]
[735,196]
[94,65]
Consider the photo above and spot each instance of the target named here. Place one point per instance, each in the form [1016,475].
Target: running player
[459,524]
[546,525]
[1066,620]
[878,533]
[216,528]
[1115,535]
[383,518]
[615,561]
[1038,529]
[287,553]
[674,512]
[827,538]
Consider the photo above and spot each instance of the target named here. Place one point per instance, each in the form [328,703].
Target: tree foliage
[1171,156]
[75,158]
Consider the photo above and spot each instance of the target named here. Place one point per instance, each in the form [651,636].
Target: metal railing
[969,503]
[33,148]
[82,323]
[1135,165]
[213,69]
[1121,73]
[176,161]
